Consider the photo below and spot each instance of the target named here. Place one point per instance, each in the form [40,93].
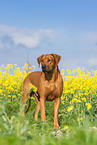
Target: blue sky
[34,27]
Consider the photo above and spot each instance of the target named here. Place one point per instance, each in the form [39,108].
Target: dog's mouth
[48,71]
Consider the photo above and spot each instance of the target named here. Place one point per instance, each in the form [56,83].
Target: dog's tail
[36,95]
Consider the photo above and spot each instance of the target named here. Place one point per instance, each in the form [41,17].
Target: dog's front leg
[42,105]
[56,108]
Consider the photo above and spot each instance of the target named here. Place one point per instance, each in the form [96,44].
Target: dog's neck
[52,75]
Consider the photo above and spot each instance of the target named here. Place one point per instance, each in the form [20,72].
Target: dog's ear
[39,59]
[57,58]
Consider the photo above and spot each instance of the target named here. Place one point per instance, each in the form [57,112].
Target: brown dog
[49,86]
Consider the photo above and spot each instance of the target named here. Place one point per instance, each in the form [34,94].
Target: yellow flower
[30,68]
[18,68]
[5,68]
[74,71]
[26,64]
[33,66]
[76,100]
[88,106]
[81,118]
[63,102]
[2,66]
[11,65]
[79,71]
[70,108]
[83,69]
[69,71]
[1,91]
[84,99]
[32,98]
[66,127]
[14,96]
[15,64]
[76,96]
[0,73]
[63,70]
[9,96]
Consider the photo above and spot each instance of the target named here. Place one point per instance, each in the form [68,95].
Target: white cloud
[27,37]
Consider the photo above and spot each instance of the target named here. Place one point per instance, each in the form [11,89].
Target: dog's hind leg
[35,94]
[37,97]
[25,89]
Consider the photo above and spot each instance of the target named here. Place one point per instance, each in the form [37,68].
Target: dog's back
[33,78]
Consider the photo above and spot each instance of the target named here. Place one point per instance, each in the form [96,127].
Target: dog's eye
[41,60]
[49,60]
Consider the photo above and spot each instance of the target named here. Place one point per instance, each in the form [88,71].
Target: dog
[49,86]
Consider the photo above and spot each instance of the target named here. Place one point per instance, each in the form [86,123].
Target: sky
[30,28]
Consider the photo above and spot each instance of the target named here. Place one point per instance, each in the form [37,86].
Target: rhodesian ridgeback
[49,86]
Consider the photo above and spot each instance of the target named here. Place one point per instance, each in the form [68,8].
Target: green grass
[16,130]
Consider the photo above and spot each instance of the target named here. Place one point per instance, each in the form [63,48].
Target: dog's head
[48,61]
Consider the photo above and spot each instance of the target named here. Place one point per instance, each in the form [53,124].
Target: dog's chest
[50,86]
[52,89]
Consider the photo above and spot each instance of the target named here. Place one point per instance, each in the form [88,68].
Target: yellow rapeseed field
[79,92]
[11,78]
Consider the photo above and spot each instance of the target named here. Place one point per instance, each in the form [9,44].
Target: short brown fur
[49,85]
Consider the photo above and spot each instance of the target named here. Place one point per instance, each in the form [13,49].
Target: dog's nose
[43,66]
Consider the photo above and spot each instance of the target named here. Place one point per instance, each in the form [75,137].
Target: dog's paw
[56,126]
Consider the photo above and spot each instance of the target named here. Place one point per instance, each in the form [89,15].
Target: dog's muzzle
[43,67]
